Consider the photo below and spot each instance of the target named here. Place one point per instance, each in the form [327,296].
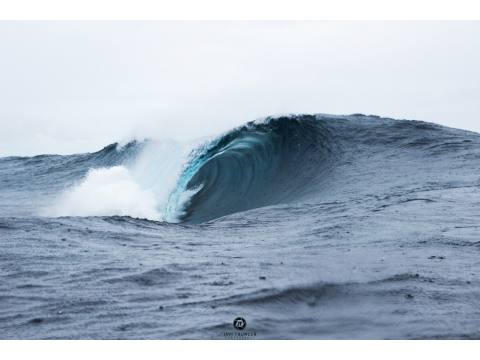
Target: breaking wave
[266,162]
[259,164]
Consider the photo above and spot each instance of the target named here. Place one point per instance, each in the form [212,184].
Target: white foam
[158,168]
[140,190]
[106,192]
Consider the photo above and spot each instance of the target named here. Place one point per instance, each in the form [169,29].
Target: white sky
[69,87]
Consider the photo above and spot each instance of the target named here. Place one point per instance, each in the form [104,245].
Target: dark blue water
[347,227]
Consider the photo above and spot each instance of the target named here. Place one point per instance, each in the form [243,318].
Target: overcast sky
[68,87]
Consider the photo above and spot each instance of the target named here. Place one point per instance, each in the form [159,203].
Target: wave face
[259,164]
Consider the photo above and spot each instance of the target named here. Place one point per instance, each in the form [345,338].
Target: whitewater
[306,226]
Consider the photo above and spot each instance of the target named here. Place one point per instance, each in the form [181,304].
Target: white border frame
[239,10]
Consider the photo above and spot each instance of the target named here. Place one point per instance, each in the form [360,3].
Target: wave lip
[258,164]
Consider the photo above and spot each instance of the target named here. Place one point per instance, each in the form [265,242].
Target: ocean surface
[306,227]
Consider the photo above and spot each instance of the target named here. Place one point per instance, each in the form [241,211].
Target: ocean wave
[275,160]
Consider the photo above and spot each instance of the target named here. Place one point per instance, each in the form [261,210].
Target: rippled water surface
[339,228]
